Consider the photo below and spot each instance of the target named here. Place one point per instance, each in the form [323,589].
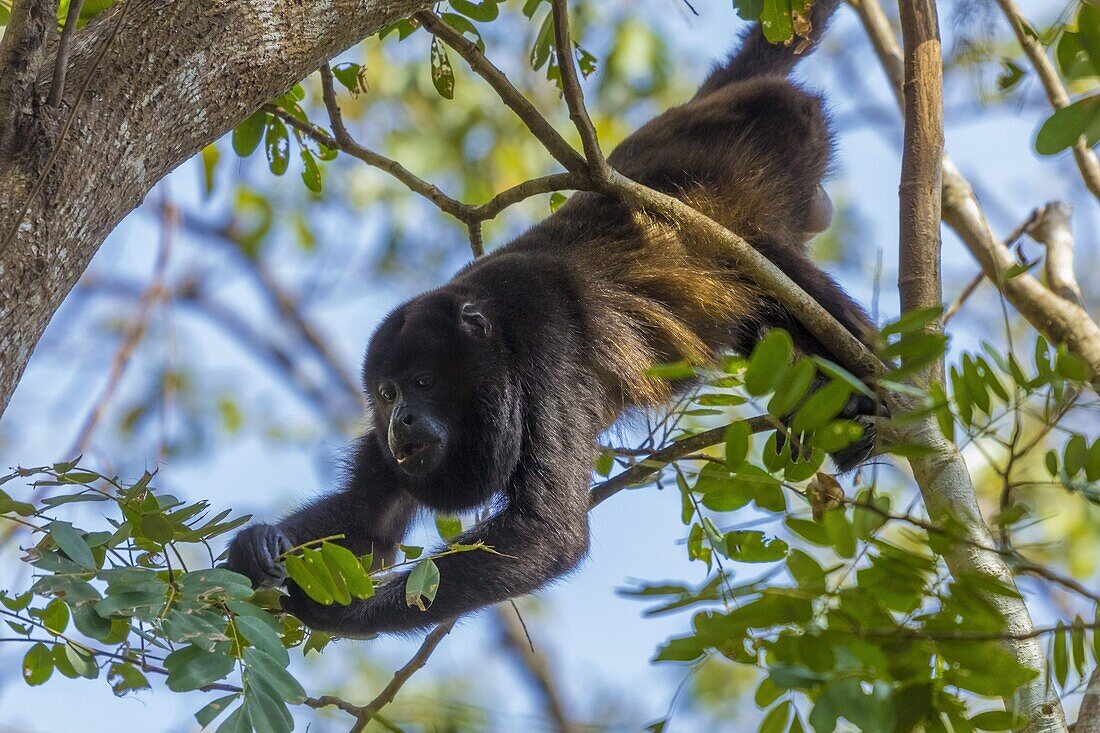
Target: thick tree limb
[1088,717]
[942,476]
[22,54]
[178,76]
[1059,320]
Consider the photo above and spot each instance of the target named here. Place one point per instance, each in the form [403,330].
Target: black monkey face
[421,372]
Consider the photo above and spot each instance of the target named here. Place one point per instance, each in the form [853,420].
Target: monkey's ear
[474,320]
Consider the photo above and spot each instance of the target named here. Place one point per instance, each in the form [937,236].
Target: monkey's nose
[408,418]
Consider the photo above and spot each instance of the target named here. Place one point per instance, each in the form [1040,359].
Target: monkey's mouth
[411,450]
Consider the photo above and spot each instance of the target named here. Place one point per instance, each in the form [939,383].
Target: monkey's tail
[757,56]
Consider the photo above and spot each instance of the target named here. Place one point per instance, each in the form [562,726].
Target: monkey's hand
[255,553]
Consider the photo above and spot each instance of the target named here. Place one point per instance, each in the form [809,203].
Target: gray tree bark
[174,77]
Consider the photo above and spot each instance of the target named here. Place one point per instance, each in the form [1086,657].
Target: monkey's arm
[540,535]
[371,510]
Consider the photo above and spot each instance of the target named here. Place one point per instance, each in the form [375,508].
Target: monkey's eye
[387,393]
[424,381]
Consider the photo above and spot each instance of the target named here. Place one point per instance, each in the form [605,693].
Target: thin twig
[134,330]
[574,93]
[401,676]
[514,637]
[562,151]
[657,460]
[61,63]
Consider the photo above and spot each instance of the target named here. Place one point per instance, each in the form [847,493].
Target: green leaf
[1061,658]
[821,407]
[190,668]
[268,672]
[738,443]
[90,623]
[1088,31]
[450,526]
[1072,366]
[996,720]
[792,388]
[753,546]
[806,571]
[352,76]
[680,649]
[1076,455]
[61,662]
[207,715]
[277,146]
[465,27]
[237,722]
[672,371]
[556,200]
[10,505]
[71,543]
[333,582]
[443,76]
[810,531]
[301,574]
[55,616]
[311,173]
[1077,637]
[157,528]
[776,719]
[81,661]
[776,22]
[247,135]
[540,50]
[210,157]
[343,562]
[125,678]
[1063,128]
[1092,463]
[840,532]
[265,712]
[422,584]
[483,12]
[769,362]
[37,665]
[263,637]
[1011,75]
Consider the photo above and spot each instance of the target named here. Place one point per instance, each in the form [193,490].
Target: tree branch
[942,476]
[1059,320]
[658,459]
[562,151]
[178,76]
[401,676]
[61,61]
[22,53]
[574,94]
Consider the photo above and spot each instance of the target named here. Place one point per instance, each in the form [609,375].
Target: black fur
[499,383]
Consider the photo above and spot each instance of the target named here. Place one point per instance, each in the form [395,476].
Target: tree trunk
[174,77]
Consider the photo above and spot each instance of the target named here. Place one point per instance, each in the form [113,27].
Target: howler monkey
[498,384]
